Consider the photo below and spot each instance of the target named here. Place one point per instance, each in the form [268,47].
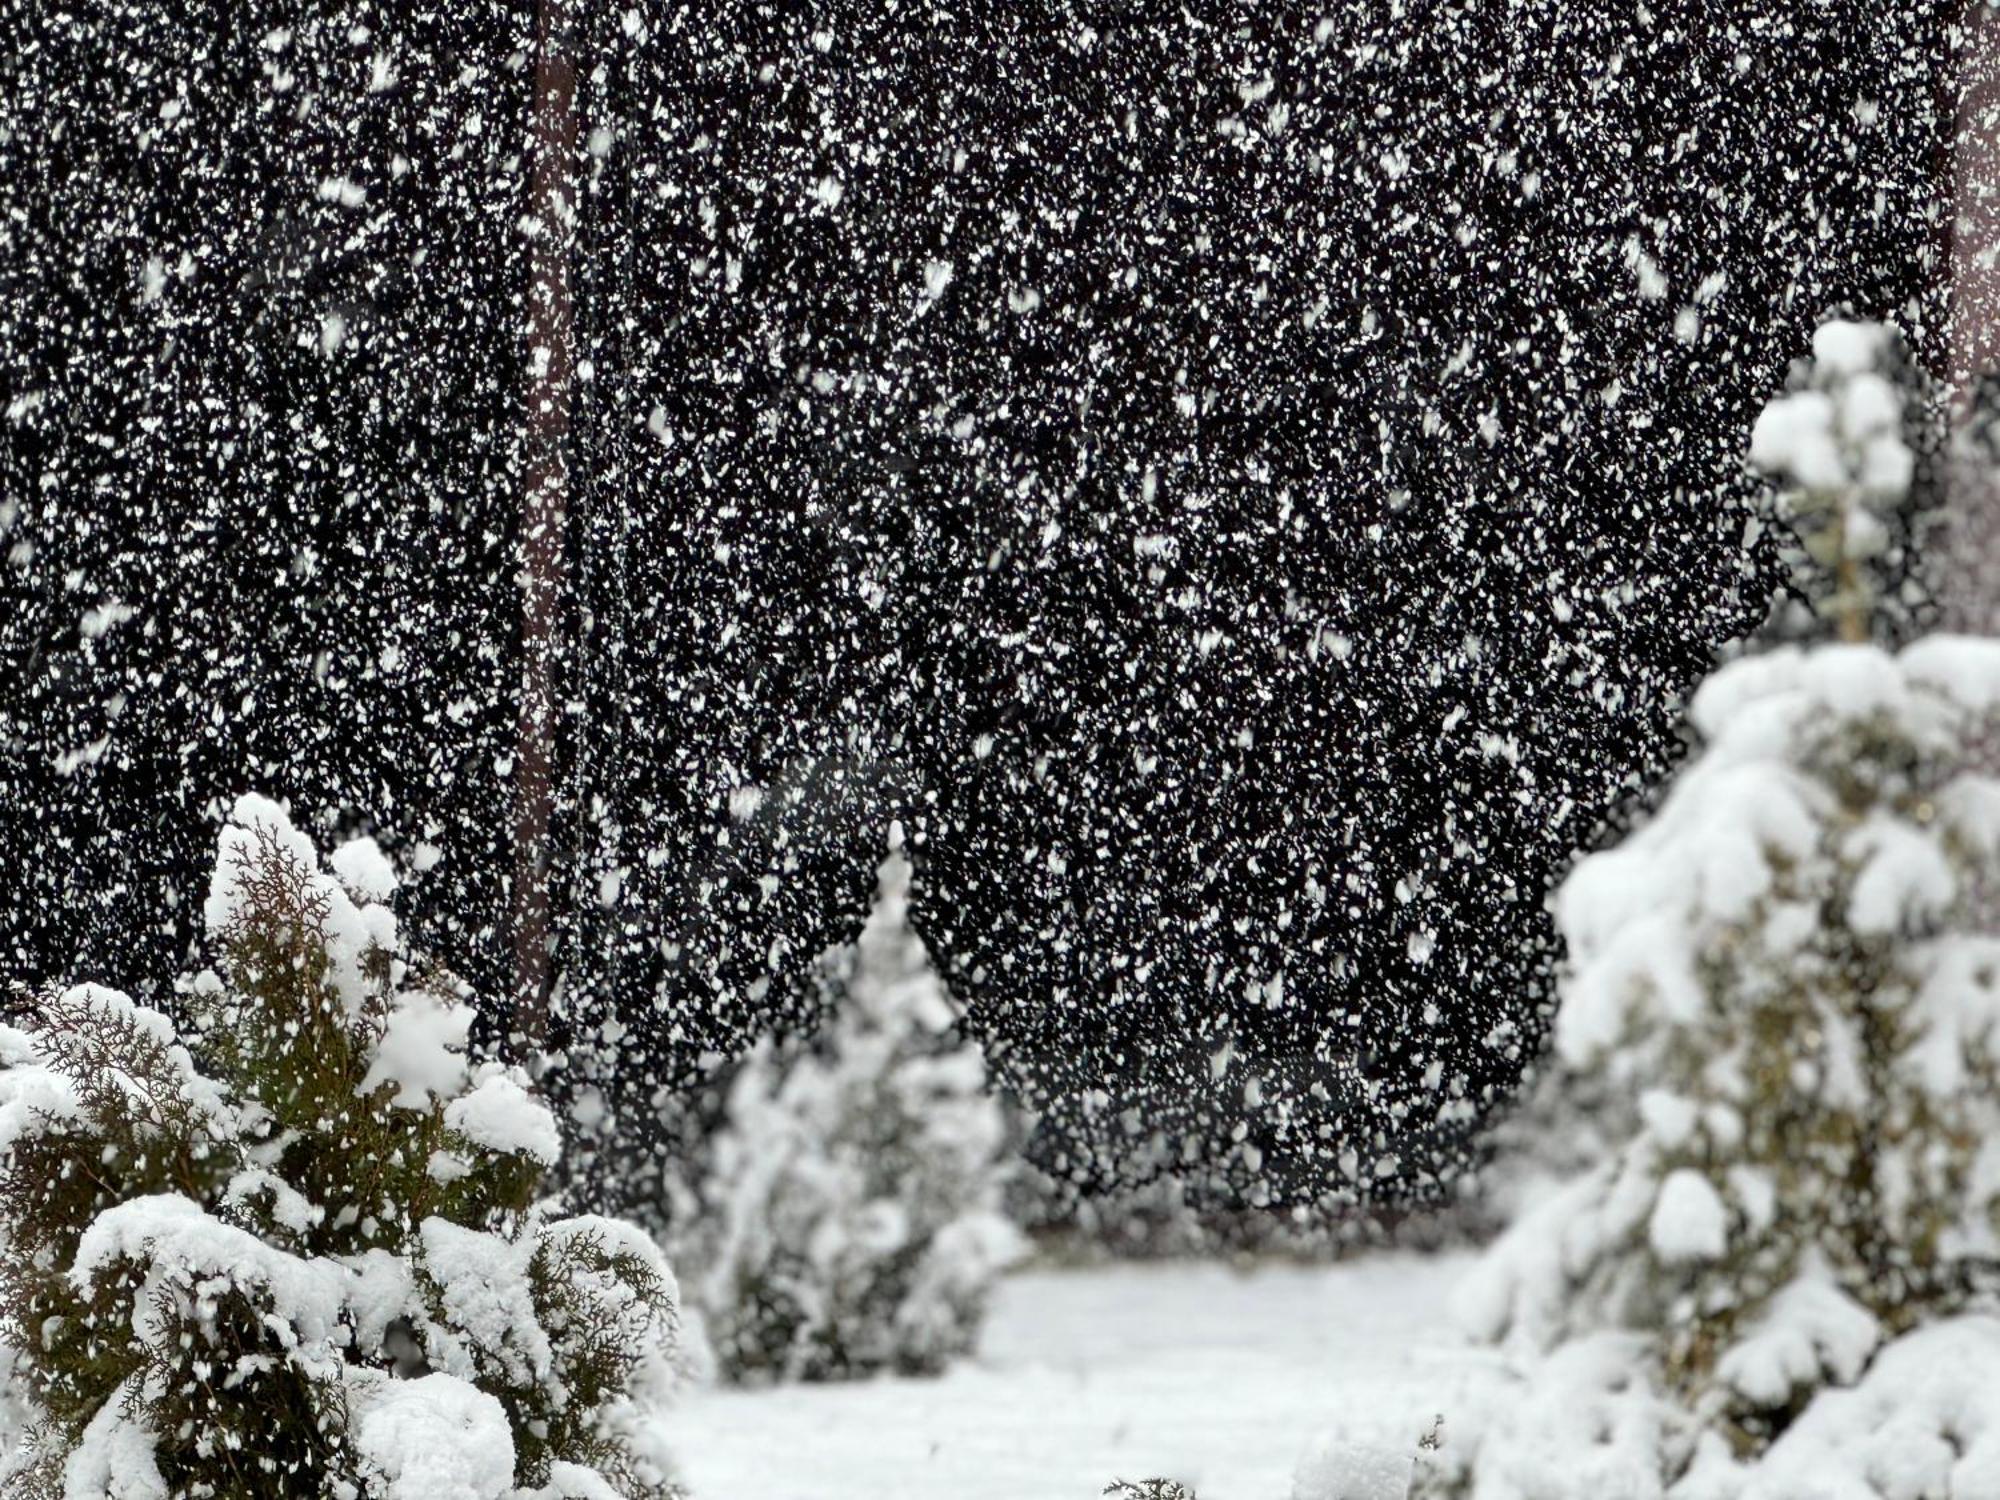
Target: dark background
[1287,537]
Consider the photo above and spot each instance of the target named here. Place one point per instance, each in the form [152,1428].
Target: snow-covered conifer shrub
[296,1249]
[1780,970]
[848,1214]
[1854,454]
[1791,973]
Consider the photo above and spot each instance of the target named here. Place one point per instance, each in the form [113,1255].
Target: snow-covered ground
[1197,1372]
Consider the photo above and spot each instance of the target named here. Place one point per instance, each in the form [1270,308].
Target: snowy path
[1197,1372]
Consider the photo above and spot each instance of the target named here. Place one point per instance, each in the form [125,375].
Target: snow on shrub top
[421,1050]
[256,824]
[500,1115]
[1851,519]
[259,841]
[361,866]
[1840,441]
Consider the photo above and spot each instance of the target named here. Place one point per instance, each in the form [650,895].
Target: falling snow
[1365,564]
[1248,487]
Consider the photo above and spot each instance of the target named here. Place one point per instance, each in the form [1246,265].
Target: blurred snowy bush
[1790,972]
[846,1216]
[296,1249]
[1186,1213]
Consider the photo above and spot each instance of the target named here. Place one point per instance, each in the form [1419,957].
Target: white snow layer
[1347,1470]
[1812,1333]
[183,1247]
[115,1460]
[488,1302]
[1689,1221]
[501,1115]
[1262,1385]
[1315,1384]
[436,1438]
[422,1050]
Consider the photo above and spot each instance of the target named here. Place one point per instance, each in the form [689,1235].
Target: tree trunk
[1968,574]
[1975,187]
[544,504]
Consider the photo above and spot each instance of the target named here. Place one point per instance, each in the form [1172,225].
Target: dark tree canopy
[1247,485]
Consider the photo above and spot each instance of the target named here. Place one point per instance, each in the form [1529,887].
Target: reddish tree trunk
[1969,575]
[544,503]
[1975,222]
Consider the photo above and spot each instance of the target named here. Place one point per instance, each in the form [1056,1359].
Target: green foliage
[223,1251]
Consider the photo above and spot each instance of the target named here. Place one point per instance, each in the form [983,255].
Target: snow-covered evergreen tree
[296,1249]
[1849,442]
[1790,972]
[848,1217]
